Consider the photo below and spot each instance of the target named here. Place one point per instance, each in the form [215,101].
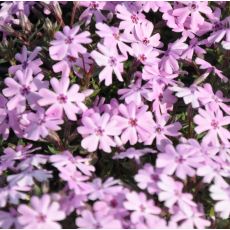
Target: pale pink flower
[213,121]
[64,98]
[111,61]
[171,193]
[67,41]
[98,131]
[221,194]
[41,213]
[140,207]
[136,123]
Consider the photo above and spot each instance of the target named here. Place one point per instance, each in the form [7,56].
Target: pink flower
[136,123]
[23,88]
[147,178]
[130,17]
[140,207]
[28,60]
[190,95]
[102,189]
[195,220]
[143,34]
[212,120]
[9,219]
[194,10]
[112,62]
[94,8]
[63,98]
[68,160]
[160,130]
[41,213]
[144,54]
[210,69]
[169,62]
[113,37]
[221,194]
[90,220]
[38,125]
[214,100]
[76,181]
[171,193]
[68,41]
[98,131]
[180,160]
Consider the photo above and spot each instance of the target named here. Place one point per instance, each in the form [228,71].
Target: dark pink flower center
[112,61]
[68,40]
[214,124]
[113,203]
[24,64]
[62,98]
[193,6]
[134,18]
[180,159]
[142,57]
[159,129]
[155,177]
[142,208]
[116,36]
[145,41]
[71,58]
[93,5]
[99,132]
[25,90]
[41,218]
[133,122]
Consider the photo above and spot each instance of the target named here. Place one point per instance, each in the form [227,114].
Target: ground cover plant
[115,115]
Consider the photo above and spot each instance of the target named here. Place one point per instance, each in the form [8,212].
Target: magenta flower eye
[62,98]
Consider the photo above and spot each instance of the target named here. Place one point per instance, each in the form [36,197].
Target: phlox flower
[38,125]
[88,219]
[210,69]
[193,10]
[147,178]
[214,100]
[68,40]
[221,194]
[76,180]
[23,88]
[130,17]
[195,220]
[41,213]
[94,8]
[169,61]
[64,98]
[28,60]
[112,62]
[213,121]
[144,54]
[180,160]
[140,207]
[171,193]
[143,34]
[101,189]
[160,130]
[98,131]
[136,123]
[9,219]
[113,37]
[67,159]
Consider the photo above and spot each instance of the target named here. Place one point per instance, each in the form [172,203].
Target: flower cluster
[113,115]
